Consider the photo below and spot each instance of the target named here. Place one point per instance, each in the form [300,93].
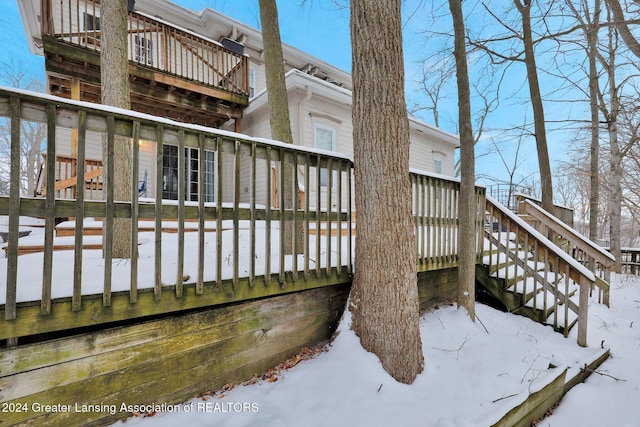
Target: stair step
[532,287]
[572,320]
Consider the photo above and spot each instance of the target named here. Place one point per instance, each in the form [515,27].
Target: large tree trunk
[114,76]
[384,296]
[279,120]
[524,7]
[467,215]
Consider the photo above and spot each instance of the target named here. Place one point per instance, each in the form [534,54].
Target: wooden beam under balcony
[152,91]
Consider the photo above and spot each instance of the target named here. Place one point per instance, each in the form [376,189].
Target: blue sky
[322,29]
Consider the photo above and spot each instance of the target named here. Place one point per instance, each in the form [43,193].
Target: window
[142,50]
[325,140]
[437,166]
[252,82]
[170,174]
[91,22]
[438,161]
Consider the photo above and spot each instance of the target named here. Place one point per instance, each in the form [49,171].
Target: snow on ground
[472,376]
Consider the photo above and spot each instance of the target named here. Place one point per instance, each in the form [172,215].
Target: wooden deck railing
[435,210]
[597,259]
[238,250]
[630,260]
[152,43]
[243,258]
[66,182]
[542,270]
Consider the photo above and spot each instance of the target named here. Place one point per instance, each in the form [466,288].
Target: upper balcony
[173,72]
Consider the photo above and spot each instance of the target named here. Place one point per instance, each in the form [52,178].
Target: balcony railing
[152,43]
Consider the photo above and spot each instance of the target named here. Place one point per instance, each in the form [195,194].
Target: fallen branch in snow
[529,369]
[595,371]
[457,350]
[485,328]
[505,397]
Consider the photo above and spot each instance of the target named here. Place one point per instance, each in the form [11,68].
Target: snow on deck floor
[30,268]
[472,377]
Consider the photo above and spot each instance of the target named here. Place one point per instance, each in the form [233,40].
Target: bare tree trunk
[594,197]
[615,161]
[279,109]
[384,296]
[114,74]
[615,206]
[524,7]
[467,215]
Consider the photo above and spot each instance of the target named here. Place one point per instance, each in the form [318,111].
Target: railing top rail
[439,176]
[573,264]
[572,235]
[39,100]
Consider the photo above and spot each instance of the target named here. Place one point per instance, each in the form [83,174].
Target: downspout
[302,191]
[301,114]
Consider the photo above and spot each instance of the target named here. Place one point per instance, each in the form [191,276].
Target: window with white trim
[325,139]
[142,50]
[438,162]
[252,82]
[170,181]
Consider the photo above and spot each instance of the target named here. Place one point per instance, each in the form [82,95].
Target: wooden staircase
[532,276]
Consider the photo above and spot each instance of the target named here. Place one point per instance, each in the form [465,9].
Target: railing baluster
[182,164]
[283,223]
[135,174]
[202,183]
[295,198]
[78,246]
[236,218]
[14,210]
[267,218]
[219,186]
[157,290]
[318,213]
[108,219]
[307,196]
[252,218]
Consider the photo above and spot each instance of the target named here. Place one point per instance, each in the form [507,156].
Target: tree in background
[32,134]
[467,203]
[384,295]
[622,26]
[279,120]
[540,132]
[114,74]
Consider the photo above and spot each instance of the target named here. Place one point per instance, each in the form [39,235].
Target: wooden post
[583,311]
[75,95]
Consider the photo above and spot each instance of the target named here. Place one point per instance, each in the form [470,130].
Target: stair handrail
[582,276]
[595,253]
